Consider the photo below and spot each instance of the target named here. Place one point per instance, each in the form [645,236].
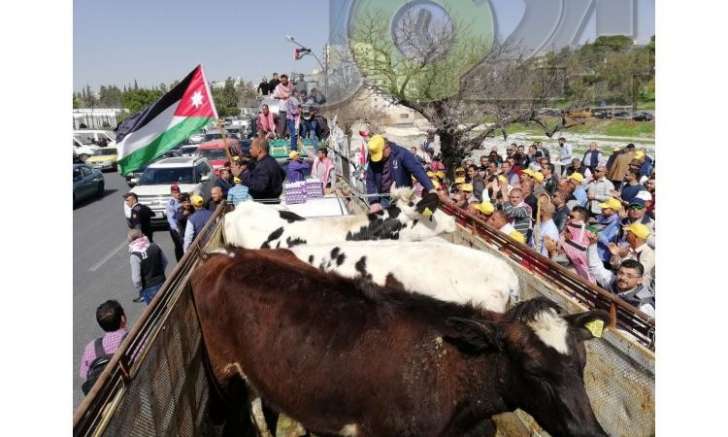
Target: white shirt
[565,154]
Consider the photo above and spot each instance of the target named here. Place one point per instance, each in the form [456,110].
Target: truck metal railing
[96,410]
[623,315]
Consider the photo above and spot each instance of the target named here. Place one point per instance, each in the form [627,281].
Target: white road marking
[108,257]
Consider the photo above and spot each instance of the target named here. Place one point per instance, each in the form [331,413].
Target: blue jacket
[297,170]
[609,234]
[402,165]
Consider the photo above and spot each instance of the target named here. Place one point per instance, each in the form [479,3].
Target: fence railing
[623,315]
[96,409]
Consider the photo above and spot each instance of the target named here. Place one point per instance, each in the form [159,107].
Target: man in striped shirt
[518,212]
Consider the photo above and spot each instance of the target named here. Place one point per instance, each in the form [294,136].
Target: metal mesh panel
[621,390]
[169,394]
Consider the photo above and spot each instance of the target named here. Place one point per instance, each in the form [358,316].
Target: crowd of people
[298,113]
[594,215]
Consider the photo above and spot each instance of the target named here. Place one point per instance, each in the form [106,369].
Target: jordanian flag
[170,120]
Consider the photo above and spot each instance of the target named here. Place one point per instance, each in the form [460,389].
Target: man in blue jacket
[390,164]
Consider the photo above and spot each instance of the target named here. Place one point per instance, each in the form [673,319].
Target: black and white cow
[254,225]
[442,270]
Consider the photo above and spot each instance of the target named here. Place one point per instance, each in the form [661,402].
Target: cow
[257,226]
[442,270]
[347,357]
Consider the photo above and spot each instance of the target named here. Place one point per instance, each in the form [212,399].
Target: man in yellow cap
[197,220]
[636,235]
[484,209]
[500,221]
[608,225]
[391,164]
[578,193]
[297,167]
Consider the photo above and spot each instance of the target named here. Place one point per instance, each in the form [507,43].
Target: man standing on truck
[147,266]
[282,92]
[197,220]
[390,164]
[265,179]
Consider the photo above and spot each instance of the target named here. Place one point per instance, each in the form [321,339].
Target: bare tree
[465,96]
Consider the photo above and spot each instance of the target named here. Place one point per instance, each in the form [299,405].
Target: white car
[197,138]
[192,174]
[86,142]
[83,152]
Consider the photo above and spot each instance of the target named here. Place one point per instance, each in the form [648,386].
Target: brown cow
[346,357]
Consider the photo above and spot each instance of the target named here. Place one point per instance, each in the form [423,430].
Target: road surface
[101,266]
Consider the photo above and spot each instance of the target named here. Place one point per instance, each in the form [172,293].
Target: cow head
[421,219]
[542,359]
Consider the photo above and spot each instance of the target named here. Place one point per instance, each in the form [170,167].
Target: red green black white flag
[170,120]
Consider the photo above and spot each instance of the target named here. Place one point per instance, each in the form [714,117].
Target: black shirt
[272,84]
[263,88]
[265,180]
[141,218]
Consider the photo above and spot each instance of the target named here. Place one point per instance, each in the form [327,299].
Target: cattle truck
[155,384]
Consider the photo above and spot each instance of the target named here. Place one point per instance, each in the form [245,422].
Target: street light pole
[324,68]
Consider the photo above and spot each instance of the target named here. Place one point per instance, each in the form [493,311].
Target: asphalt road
[101,266]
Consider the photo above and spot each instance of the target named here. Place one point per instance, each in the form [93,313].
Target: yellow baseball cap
[639,154]
[440,174]
[376,147]
[293,155]
[502,179]
[236,180]
[197,200]
[576,177]
[485,207]
[528,171]
[460,180]
[538,176]
[468,188]
[430,174]
[611,203]
[639,230]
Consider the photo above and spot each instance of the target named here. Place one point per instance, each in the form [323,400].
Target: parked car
[602,114]
[87,182]
[104,159]
[101,138]
[188,149]
[192,174]
[83,152]
[643,116]
[197,138]
[624,115]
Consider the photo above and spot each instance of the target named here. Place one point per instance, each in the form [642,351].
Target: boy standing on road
[111,318]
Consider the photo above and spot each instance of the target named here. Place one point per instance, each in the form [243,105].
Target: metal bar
[139,338]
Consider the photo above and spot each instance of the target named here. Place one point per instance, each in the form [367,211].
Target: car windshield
[153,176]
[213,136]
[84,138]
[106,152]
[213,154]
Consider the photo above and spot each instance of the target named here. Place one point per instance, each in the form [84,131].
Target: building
[96,118]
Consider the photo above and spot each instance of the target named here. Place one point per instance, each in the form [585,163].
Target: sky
[155,41]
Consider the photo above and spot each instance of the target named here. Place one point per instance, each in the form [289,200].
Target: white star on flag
[197,99]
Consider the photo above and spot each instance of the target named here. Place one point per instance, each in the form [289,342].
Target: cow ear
[588,325]
[428,203]
[472,336]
